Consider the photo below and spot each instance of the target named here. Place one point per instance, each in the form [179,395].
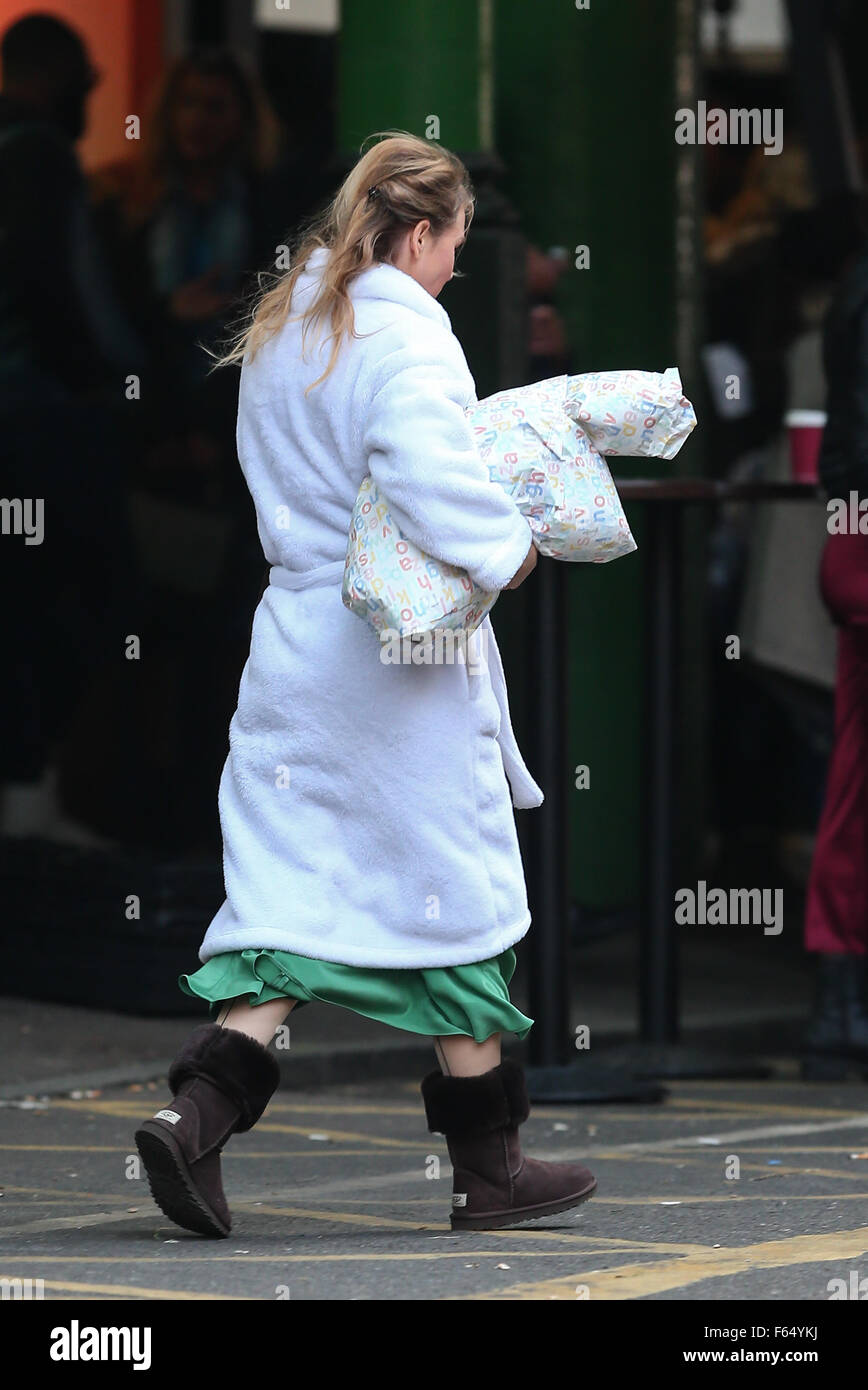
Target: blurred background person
[548,348]
[65,350]
[210,200]
[186,225]
[836,918]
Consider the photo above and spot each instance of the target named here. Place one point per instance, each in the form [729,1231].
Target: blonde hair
[414,179]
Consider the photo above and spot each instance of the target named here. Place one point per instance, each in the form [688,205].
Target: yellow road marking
[672,1109]
[136,1105]
[329,1257]
[342,1134]
[764,1108]
[130,1108]
[64,1148]
[640,1280]
[315,1149]
[665,1152]
[135,1291]
[70,1194]
[265,1127]
[791,1197]
[771,1170]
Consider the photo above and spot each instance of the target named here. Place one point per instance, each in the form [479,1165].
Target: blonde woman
[370,851]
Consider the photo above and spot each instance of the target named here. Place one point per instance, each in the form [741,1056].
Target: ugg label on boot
[171,1115]
[459,1199]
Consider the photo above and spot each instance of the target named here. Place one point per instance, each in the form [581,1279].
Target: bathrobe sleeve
[422,455]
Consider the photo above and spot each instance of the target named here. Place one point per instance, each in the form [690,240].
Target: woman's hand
[200,298]
[529,563]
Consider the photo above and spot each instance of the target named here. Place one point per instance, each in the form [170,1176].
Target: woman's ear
[420,231]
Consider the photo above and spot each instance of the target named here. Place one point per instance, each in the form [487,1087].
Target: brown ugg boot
[493,1184]
[221,1081]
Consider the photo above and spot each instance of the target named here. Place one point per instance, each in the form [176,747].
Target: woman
[370,849]
[190,219]
[186,224]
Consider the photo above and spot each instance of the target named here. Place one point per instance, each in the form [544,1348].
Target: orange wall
[114,31]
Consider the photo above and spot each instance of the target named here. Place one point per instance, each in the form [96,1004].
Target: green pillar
[401,64]
[580,106]
[584,121]
[427,67]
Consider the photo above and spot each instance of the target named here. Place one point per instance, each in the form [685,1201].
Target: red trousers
[836,915]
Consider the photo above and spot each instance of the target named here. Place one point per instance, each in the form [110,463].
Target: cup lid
[795,418]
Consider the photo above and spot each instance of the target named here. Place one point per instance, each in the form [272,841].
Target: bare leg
[259,1021]
[460,1055]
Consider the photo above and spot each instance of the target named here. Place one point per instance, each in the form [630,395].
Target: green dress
[470,999]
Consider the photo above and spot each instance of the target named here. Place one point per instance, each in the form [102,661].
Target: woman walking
[370,851]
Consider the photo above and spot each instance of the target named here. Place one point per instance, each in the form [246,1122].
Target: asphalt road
[333,1198]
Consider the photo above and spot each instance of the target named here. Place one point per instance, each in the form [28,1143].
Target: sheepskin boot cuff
[236,1064]
[466,1106]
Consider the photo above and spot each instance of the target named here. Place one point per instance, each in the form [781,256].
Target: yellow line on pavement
[759,1107]
[71,1194]
[773,1170]
[324,1257]
[316,1148]
[673,1110]
[345,1108]
[640,1280]
[658,1200]
[135,1106]
[121,1109]
[677,1149]
[348,1218]
[135,1291]
[264,1127]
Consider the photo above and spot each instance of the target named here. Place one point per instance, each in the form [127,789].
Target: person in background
[836,915]
[187,225]
[209,201]
[548,349]
[66,348]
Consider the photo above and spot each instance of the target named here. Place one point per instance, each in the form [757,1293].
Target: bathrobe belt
[525,792]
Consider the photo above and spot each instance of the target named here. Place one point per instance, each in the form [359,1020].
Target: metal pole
[658,976]
[548,976]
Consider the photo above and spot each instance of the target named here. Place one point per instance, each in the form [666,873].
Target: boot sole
[495,1220]
[172,1186]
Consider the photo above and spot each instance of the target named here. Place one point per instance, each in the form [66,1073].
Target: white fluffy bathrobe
[366,813]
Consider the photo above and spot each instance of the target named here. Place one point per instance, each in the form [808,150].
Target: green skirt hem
[472,1000]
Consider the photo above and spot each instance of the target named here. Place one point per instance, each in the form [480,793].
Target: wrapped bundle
[544,445]
[542,457]
[638,414]
[397,587]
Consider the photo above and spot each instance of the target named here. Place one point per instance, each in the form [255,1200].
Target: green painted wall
[401,63]
[584,122]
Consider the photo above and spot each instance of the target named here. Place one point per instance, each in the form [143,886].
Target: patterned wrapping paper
[635,414]
[397,587]
[544,445]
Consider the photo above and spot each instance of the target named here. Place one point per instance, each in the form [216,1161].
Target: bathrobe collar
[383,281]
